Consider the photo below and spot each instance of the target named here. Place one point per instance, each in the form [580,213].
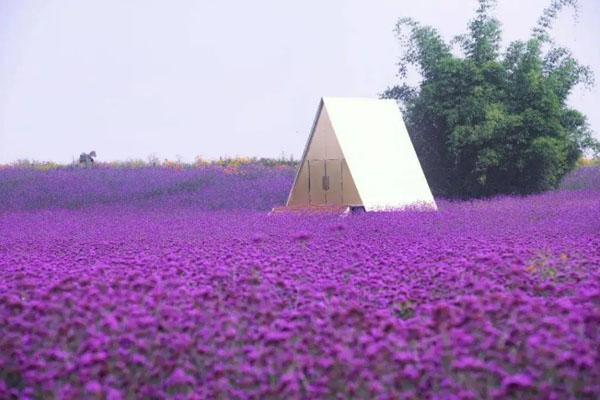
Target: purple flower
[93,387]
[518,381]
[179,378]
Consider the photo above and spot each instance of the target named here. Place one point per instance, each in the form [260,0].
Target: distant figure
[87,160]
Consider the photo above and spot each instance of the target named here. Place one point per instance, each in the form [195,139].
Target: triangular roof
[378,151]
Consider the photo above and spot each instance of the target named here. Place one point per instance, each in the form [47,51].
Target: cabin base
[319,209]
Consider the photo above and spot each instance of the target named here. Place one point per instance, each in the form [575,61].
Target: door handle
[325,182]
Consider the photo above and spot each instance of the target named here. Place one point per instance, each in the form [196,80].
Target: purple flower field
[156,283]
[250,187]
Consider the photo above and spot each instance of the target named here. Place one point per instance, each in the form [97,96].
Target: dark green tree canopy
[489,122]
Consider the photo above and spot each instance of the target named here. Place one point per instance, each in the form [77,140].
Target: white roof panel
[379,153]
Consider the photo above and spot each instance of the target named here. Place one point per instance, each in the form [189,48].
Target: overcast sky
[217,78]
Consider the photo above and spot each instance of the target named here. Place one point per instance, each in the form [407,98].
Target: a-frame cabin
[359,154]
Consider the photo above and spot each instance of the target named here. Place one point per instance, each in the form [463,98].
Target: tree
[485,122]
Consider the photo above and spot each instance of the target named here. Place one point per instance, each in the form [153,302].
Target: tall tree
[485,122]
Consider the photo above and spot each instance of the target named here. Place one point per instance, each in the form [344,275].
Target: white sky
[216,78]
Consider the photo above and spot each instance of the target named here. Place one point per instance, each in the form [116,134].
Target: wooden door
[333,171]
[316,182]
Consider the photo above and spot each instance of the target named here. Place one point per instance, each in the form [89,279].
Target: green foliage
[489,122]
